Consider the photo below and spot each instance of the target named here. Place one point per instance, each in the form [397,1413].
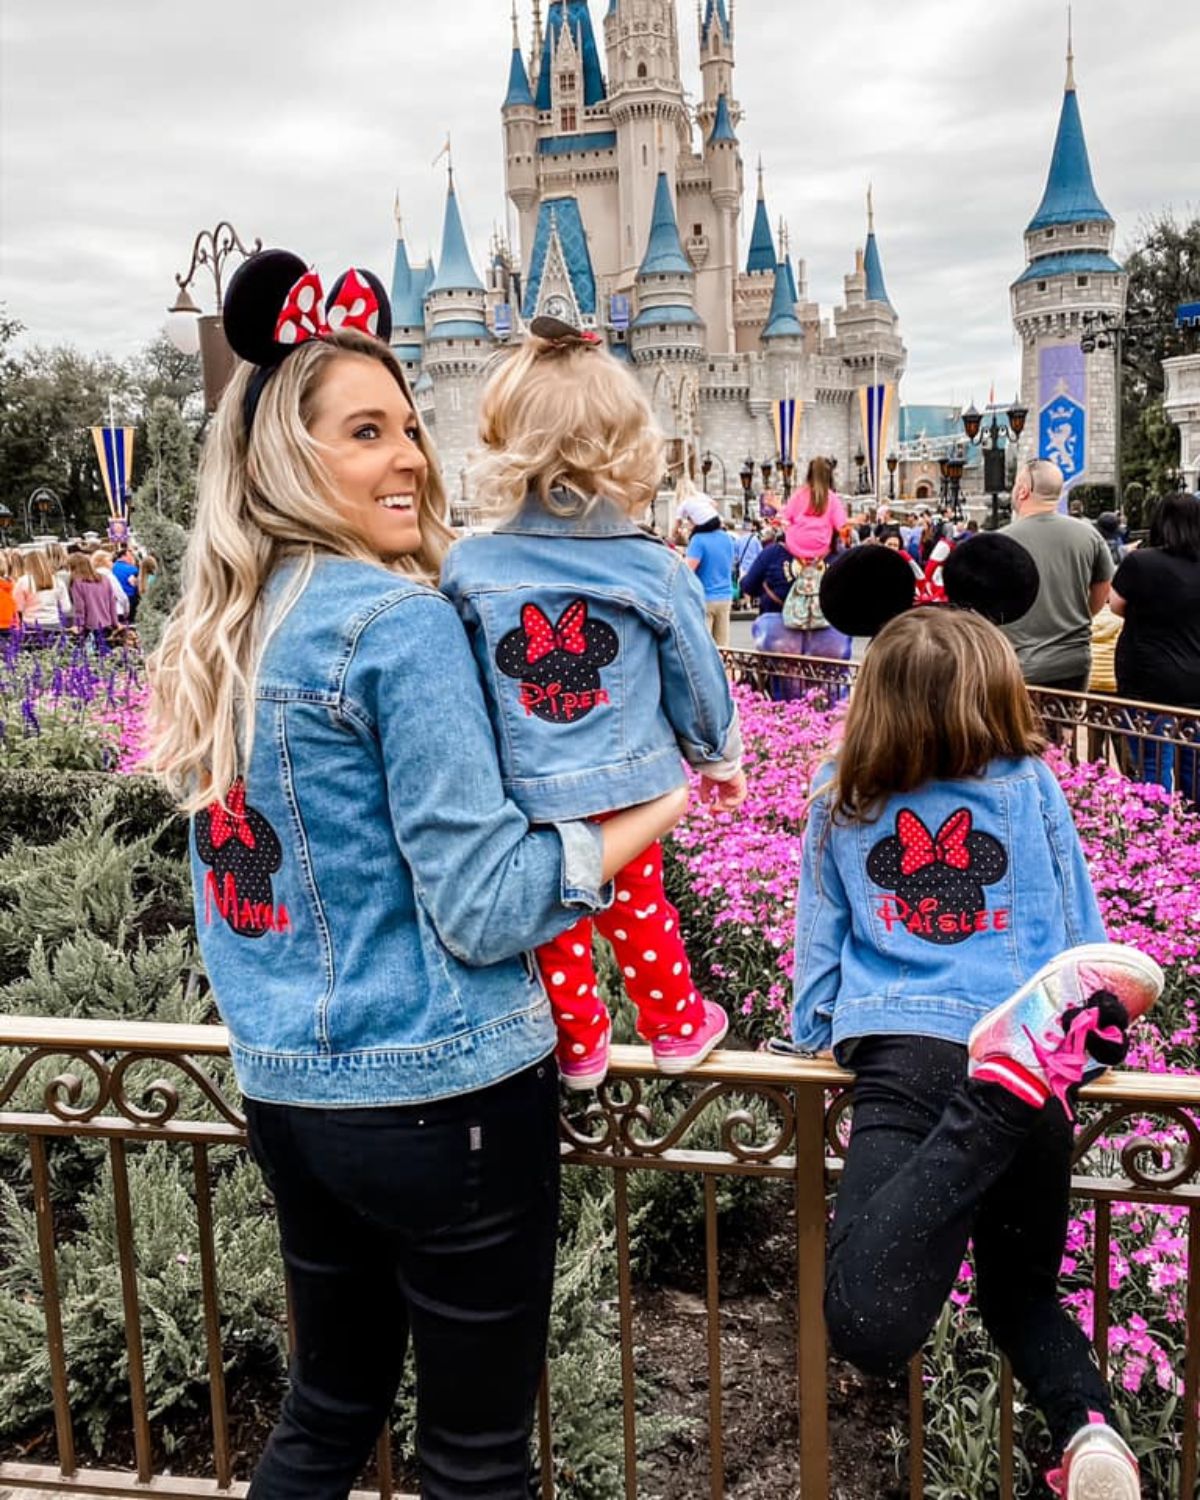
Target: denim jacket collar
[601,518]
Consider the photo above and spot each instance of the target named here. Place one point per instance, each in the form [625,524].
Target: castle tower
[647,111]
[519,114]
[667,325]
[754,289]
[718,272]
[716,64]
[408,310]
[1070,272]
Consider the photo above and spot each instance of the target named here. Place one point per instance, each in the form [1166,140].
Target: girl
[600,673]
[364,892]
[10,617]
[41,598]
[94,609]
[941,870]
[814,516]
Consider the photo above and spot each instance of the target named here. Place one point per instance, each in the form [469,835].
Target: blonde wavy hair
[261,498]
[565,416]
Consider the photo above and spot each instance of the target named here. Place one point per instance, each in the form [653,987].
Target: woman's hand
[726,794]
[627,833]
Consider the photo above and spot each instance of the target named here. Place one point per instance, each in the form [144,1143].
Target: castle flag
[114,450]
[875,409]
[785,417]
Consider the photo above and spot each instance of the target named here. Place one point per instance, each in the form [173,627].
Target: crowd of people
[83,586]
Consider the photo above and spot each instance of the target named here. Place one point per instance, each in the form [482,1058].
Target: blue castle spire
[1070,196]
[455,273]
[872,264]
[664,251]
[782,321]
[519,91]
[762,246]
[722,124]
[579,17]
[714,12]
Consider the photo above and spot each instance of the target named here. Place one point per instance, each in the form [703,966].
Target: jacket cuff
[727,764]
[582,866]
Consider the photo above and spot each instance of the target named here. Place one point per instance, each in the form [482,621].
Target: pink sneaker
[1035,1043]
[679,1054]
[584,1069]
[1097,1465]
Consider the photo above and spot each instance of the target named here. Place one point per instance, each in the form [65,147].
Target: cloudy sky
[125,129]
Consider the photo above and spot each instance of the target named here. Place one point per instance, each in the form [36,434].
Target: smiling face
[371,448]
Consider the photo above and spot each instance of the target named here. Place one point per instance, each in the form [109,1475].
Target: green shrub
[38,807]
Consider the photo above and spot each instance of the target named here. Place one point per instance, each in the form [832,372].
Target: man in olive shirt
[1054,640]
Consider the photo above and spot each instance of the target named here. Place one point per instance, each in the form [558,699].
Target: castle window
[1081,281]
[1049,234]
[568,118]
[566,83]
[645,156]
[1041,286]
[1081,229]
[697,231]
[641,71]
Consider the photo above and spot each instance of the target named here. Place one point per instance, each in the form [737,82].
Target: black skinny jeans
[438,1221]
[935,1159]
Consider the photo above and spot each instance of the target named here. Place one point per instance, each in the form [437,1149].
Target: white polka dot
[681,1005]
[686,1029]
[287,334]
[620,934]
[676,968]
[652,908]
[649,955]
[668,925]
[578,1049]
[622,895]
[558,977]
[596,1019]
[656,994]
[595,989]
[566,1016]
[336,315]
[648,870]
[582,990]
[358,307]
[578,950]
[629,971]
[692,996]
[305,297]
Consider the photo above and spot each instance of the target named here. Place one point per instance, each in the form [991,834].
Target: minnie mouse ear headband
[564,335]
[275,303]
[989,573]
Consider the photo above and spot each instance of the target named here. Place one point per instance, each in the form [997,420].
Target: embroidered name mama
[242,915]
[552,700]
[928,917]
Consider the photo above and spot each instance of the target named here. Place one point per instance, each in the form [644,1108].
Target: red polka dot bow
[567,635]
[920,848]
[304,314]
[229,822]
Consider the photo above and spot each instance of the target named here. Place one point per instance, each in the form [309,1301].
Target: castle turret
[1070,273]
[519,114]
[408,310]
[716,64]
[647,109]
[667,325]
[782,322]
[723,158]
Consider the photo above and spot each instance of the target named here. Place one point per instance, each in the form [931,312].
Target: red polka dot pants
[643,928]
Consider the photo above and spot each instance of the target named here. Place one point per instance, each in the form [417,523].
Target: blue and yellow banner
[114,449]
[875,404]
[785,417]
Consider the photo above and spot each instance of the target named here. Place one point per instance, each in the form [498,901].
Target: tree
[163,508]
[1164,271]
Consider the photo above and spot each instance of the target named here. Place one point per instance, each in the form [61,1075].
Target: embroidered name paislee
[242,915]
[926,917]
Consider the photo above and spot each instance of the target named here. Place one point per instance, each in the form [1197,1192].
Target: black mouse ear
[254,299]
[358,299]
[865,588]
[993,575]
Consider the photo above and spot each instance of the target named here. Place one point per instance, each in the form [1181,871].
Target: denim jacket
[364,897]
[597,662]
[921,921]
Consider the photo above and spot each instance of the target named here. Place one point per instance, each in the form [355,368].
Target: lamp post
[192,330]
[788,469]
[39,507]
[990,439]
[746,475]
[705,470]
[954,473]
[860,461]
[892,461]
[1105,330]
[6,520]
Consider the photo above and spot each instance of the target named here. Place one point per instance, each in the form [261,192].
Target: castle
[628,204]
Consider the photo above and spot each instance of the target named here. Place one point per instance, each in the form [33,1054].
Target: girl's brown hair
[36,567]
[820,481]
[80,567]
[939,695]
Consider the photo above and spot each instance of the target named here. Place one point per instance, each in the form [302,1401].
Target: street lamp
[990,440]
[746,475]
[39,507]
[706,469]
[787,468]
[892,461]
[6,520]
[953,472]
[1105,330]
[766,466]
[191,330]
[860,460]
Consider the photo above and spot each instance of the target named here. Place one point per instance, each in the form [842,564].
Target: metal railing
[1148,741]
[127,1083]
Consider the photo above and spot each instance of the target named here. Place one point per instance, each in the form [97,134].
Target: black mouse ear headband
[868,586]
[275,303]
[564,335]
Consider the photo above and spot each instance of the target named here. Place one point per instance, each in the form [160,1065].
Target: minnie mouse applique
[242,851]
[938,879]
[558,665]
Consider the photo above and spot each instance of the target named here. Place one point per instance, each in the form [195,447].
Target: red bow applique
[920,849]
[229,822]
[541,637]
[304,314]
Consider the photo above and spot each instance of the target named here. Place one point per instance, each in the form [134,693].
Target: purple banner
[1062,411]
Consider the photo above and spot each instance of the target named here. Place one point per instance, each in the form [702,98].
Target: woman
[1157,592]
[40,596]
[94,609]
[364,898]
[814,516]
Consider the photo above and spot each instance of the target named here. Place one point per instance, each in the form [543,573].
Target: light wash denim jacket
[920,922]
[596,658]
[363,903]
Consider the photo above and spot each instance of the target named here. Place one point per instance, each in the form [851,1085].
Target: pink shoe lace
[1064,1061]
